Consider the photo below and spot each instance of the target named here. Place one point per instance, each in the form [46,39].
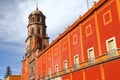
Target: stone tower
[37,37]
[36,42]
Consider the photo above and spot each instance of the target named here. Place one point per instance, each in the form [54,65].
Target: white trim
[112,38]
[49,71]
[92,48]
[56,68]
[65,61]
[74,59]
[75,39]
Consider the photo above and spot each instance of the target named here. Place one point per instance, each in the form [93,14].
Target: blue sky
[13,25]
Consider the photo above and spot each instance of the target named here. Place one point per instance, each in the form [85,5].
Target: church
[88,50]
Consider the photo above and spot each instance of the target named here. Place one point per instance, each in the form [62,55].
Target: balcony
[65,70]
[49,76]
[112,53]
[108,56]
[91,60]
[76,66]
[56,73]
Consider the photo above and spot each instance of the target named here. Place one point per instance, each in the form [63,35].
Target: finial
[36,6]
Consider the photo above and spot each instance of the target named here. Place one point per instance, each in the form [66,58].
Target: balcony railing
[65,70]
[49,76]
[91,60]
[112,53]
[56,73]
[76,66]
[83,65]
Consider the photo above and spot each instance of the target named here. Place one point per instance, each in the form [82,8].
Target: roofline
[79,20]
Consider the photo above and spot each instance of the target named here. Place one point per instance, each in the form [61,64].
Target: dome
[36,12]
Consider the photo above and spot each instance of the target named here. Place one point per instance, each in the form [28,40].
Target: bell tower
[37,37]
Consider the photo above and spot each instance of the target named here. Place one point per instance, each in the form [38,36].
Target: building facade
[14,77]
[88,50]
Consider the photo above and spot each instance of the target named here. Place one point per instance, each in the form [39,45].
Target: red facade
[88,50]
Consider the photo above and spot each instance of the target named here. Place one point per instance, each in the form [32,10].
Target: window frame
[91,59]
[49,72]
[56,69]
[111,52]
[108,40]
[75,59]
[92,48]
[65,65]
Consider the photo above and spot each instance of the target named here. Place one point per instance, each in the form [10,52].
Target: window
[33,19]
[31,70]
[49,72]
[38,30]
[56,68]
[76,59]
[65,64]
[38,19]
[32,31]
[91,55]
[44,46]
[111,47]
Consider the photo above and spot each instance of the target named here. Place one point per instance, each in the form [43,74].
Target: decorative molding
[107,17]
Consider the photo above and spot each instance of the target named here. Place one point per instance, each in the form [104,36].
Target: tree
[8,72]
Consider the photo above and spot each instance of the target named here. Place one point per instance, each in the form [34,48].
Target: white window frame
[88,51]
[49,71]
[65,63]
[107,41]
[56,70]
[108,50]
[91,59]
[74,59]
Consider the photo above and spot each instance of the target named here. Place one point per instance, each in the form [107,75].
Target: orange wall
[92,31]
[93,73]
[89,36]
[66,77]
[112,70]
[64,51]
[109,24]
[70,45]
[75,48]
[78,75]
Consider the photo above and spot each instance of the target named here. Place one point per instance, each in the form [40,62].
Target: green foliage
[8,72]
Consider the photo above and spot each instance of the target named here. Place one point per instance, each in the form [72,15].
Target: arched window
[44,46]
[38,19]
[33,19]
[32,31]
[38,30]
